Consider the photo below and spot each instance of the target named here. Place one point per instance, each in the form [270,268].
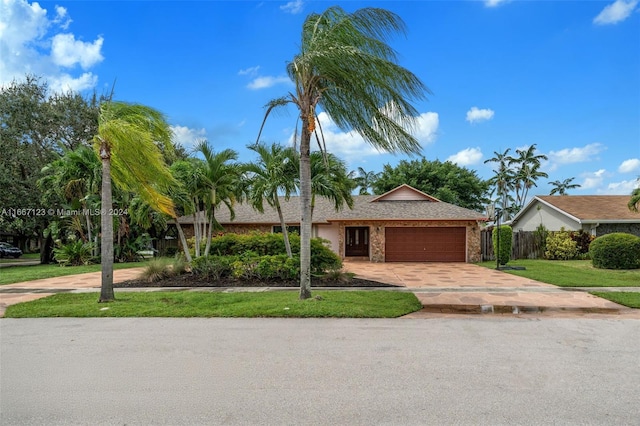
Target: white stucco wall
[331,233]
[550,218]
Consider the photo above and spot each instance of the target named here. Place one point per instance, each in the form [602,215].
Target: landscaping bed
[192,280]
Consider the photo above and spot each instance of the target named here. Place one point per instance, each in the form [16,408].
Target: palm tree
[365,180]
[503,179]
[274,172]
[222,180]
[634,201]
[345,67]
[528,173]
[127,142]
[329,179]
[561,188]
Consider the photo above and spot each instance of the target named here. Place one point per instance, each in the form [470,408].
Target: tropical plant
[504,180]
[561,188]
[127,142]
[345,67]
[364,180]
[527,173]
[221,178]
[187,197]
[74,253]
[560,246]
[274,172]
[329,179]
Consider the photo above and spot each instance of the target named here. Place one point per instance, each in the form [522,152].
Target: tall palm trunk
[305,210]
[106,222]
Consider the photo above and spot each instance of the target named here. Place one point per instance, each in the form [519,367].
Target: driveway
[469,288]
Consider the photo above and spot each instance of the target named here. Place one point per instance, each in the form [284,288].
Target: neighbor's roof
[365,207]
[589,208]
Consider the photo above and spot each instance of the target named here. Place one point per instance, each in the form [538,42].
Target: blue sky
[564,75]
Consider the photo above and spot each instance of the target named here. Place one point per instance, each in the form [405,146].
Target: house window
[277,229]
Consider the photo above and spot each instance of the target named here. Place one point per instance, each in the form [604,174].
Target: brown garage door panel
[425,244]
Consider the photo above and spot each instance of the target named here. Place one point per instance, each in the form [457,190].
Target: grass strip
[572,273]
[334,304]
[626,298]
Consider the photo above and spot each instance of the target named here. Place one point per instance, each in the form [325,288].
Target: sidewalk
[442,288]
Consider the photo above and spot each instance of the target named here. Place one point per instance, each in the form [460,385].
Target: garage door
[425,244]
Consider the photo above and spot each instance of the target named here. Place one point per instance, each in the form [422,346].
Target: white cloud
[593,180]
[494,3]
[575,155]
[268,81]
[33,43]
[67,52]
[622,188]
[476,115]
[252,71]
[615,12]
[187,137]
[294,7]
[426,129]
[466,157]
[629,166]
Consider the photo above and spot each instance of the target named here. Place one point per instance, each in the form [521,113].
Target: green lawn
[630,299]
[339,304]
[16,274]
[572,273]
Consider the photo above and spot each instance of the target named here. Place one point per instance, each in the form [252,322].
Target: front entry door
[357,241]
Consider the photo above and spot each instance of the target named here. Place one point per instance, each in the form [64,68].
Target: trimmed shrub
[503,252]
[560,246]
[616,251]
[278,267]
[213,267]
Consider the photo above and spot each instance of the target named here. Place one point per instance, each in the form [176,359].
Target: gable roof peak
[405,192]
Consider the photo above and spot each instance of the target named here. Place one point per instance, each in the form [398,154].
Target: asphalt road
[472,370]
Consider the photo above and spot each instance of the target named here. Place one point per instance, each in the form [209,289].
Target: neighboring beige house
[595,214]
[402,225]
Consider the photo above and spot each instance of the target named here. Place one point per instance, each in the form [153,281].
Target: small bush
[560,246]
[163,267]
[75,253]
[278,267]
[583,241]
[213,267]
[322,257]
[616,251]
[503,252]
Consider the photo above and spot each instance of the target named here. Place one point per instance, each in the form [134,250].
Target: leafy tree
[127,143]
[561,188]
[189,196]
[36,127]
[345,67]
[445,181]
[272,173]
[503,180]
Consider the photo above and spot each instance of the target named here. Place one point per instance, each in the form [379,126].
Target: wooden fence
[524,245]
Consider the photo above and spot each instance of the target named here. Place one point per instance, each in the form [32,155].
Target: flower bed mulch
[191,280]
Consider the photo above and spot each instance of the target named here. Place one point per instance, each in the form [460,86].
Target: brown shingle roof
[593,207]
[363,209]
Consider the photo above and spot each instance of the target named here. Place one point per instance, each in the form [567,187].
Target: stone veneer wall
[377,232]
[609,228]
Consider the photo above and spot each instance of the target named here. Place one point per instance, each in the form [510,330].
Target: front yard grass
[630,299]
[16,274]
[337,304]
[572,273]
